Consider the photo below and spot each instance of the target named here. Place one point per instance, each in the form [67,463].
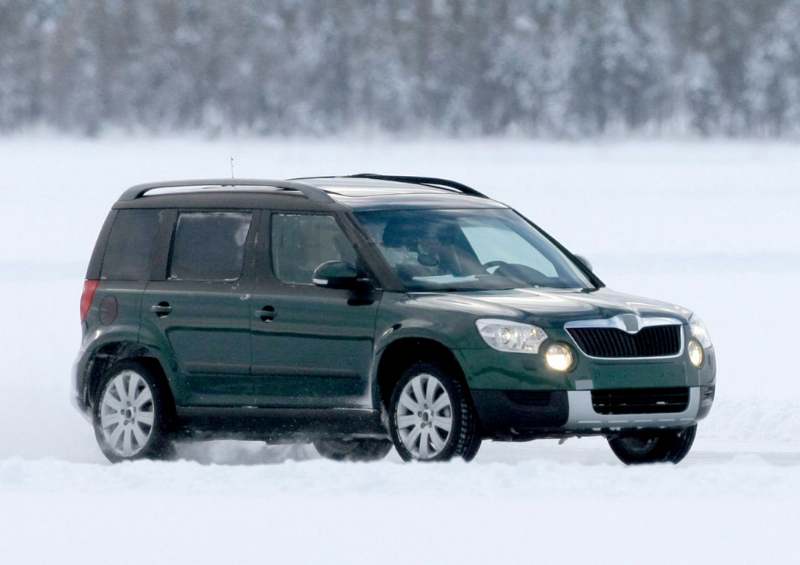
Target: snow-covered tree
[533,67]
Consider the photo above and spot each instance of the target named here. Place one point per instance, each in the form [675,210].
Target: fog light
[559,357]
[696,354]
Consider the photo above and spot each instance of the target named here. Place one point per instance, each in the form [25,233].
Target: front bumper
[563,413]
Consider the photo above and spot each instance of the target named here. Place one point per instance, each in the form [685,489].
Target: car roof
[359,193]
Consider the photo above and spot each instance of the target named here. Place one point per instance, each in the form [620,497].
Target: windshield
[450,250]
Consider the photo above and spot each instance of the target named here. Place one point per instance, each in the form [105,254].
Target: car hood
[549,308]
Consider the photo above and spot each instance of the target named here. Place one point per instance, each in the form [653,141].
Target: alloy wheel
[127,414]
[424,416]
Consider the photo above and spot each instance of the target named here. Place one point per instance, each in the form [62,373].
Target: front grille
[529,397]
[653,341]
[640,400]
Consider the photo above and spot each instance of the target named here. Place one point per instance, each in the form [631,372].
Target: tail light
[86,298]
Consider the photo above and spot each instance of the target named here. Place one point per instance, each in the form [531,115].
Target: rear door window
[209,246]
[130,245]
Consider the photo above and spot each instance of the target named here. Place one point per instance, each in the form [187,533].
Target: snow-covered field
[712,226]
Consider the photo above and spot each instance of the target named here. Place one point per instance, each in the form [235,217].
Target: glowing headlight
[559,357]
[696,354]
[700,331]
[511,336]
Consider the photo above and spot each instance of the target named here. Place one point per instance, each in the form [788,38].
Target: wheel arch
[106,355]
[398,355]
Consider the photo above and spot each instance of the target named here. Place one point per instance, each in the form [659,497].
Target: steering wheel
[491,264]
[523,273]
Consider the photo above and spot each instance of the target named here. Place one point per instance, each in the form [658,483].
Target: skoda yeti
[368,312]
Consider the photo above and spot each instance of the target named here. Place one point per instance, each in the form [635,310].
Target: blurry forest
[542,68]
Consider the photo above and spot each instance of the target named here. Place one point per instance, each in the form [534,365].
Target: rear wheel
[657,446]
[430,416]
[354,449]
[129,416]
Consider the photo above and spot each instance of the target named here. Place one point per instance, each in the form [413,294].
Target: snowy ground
[712,226]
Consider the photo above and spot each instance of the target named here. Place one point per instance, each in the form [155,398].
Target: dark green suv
[365,312]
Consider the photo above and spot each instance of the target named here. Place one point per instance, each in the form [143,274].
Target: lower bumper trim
[563,413]
[582,414]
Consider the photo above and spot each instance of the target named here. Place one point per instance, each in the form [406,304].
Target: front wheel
[657,446]
[353,449]
[430,416]
[129,416]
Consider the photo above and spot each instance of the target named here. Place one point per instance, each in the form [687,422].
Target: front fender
[402,317]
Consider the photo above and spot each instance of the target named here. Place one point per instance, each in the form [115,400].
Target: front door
[202,308]
[312,346]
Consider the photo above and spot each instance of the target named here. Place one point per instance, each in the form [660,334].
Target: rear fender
[108,348]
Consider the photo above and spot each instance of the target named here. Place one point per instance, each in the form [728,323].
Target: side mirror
[336,274]
[586,263]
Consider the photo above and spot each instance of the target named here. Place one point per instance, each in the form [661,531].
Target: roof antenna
[232,167]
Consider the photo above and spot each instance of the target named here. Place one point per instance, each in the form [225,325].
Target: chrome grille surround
[630,324]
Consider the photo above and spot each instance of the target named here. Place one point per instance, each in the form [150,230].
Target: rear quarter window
[130,245]
[209,246]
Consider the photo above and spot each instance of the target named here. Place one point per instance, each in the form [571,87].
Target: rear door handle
[267,314]
[161,309]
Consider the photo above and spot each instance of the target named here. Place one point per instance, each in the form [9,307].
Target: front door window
[302,242]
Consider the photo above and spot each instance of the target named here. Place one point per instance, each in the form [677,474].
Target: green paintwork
[316,352]
[450,319]
[323,346]
[320,332]
[125,327]
[207,334]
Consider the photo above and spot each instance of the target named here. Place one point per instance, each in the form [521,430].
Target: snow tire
[126,384]
[463,439]
[661,446]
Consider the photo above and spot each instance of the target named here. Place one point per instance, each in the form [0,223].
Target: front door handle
[161,309]
[267,314]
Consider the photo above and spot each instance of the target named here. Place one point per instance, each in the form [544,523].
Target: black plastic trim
[625,401]
[707,394]
[503,416]
[160,258]
[280,423]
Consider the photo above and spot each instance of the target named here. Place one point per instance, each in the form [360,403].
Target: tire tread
[671,447]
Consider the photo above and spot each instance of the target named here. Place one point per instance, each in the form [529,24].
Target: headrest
[400,232]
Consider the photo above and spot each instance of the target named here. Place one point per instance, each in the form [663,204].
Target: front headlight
[503,335]
[700,331]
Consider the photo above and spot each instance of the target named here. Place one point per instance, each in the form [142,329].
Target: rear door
[201,307]
[312,346]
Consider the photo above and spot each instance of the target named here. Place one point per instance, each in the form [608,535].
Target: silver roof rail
[423,181]
[311,192]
